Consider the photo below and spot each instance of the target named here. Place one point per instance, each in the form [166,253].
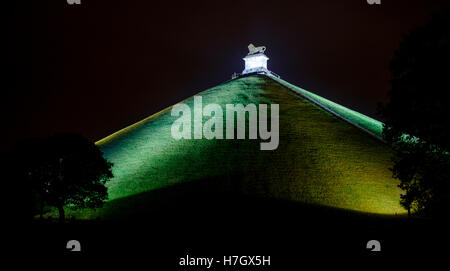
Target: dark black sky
[97,67]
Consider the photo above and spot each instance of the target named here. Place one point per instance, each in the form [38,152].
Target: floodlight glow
[253,63]
[259,61]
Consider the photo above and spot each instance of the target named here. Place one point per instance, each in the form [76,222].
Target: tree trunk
[409,211]
[62,215]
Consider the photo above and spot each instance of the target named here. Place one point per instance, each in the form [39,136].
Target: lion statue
[254,50]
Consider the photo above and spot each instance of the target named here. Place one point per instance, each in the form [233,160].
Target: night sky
[97,67]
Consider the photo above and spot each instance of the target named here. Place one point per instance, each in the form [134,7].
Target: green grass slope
[321,159]
[373,126]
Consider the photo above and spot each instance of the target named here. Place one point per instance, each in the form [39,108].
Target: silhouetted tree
[417,116]
[64,170]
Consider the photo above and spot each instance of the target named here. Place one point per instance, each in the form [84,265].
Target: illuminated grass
[363,121]
[320,159]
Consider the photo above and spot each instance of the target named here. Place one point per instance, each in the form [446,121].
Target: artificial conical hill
[321,159]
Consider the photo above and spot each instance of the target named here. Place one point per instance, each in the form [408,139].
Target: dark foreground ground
[186,220]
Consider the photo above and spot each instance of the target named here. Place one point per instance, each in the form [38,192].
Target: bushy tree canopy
[63,170]
[417,115]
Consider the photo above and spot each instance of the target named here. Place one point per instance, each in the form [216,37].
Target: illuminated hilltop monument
[328,155]
[255,62]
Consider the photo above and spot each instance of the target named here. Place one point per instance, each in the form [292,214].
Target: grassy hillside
[367,123]
[321,159]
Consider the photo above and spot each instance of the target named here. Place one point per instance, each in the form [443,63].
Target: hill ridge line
[326,108]
[279,81]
